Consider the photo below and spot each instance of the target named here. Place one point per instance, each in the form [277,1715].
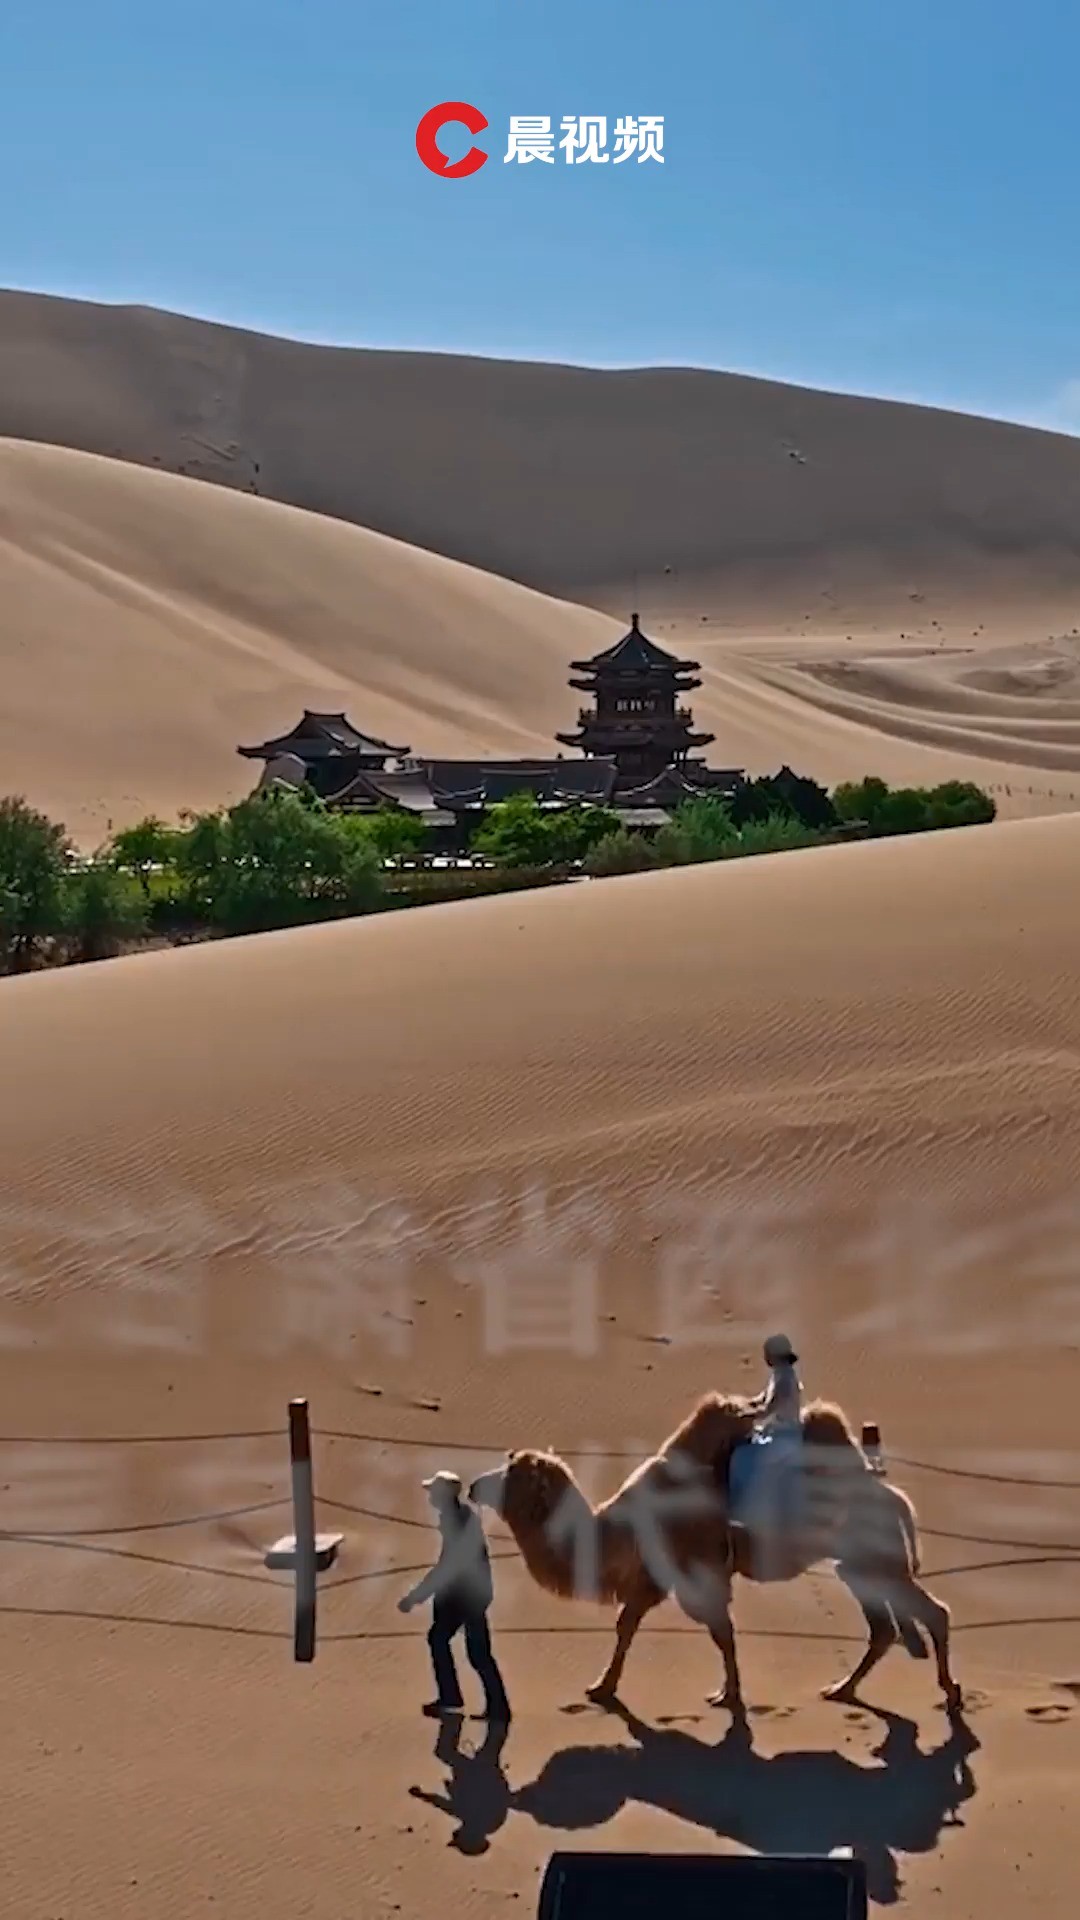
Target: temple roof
[322,736]
[410,791]
[682,781]
[448,785]
[635,653]
[483,782]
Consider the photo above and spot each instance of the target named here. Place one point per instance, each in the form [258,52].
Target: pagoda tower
[636,720]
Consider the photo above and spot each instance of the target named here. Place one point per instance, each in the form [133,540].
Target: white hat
[443,1485]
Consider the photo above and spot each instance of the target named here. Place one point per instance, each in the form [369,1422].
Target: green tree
[783,792]
[143,847]
[356,885]
[960,803]
[394,833]
[864,799]
[103,908]
[34,854]
[202,855]
[573,831]
[519,832]
[515,832]
[272,861]
[904,810]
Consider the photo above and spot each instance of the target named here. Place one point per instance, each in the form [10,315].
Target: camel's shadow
[477,1791]
[796,1802]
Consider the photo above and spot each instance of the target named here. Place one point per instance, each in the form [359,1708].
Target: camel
[667,1531]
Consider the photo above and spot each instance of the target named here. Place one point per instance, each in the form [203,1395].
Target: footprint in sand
[974,1701]
[1069,1686]
[1048,1715]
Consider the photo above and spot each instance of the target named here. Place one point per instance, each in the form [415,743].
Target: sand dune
[839,1089]
[530,1169]
[568,479]
[160,622]
[153,624]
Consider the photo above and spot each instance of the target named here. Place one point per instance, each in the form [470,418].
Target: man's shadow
[797,1802]
[477,1791]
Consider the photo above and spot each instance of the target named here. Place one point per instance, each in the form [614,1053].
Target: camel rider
[779,1405]
[761,1489]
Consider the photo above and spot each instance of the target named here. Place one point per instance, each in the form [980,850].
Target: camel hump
[825,1424]
[711,1429]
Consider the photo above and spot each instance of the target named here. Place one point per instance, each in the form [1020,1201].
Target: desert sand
[154,623]
[428,540]
[570,479]
[533,1170]
[834,1090]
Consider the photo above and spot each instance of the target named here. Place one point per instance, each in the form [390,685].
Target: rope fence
[485,1450]
[304,1543]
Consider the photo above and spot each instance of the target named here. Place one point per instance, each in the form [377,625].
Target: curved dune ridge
[570,479]
[1013,705]
[154,624]
[837,1090]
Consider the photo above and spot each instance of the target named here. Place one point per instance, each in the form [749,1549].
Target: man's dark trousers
[449,1618]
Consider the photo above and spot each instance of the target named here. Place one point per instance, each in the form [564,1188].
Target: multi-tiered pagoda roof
[637,717]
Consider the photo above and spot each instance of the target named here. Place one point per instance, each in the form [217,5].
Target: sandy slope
[152,624]
[331,1161]
[566,478]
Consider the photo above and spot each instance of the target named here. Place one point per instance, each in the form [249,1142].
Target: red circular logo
[450,113]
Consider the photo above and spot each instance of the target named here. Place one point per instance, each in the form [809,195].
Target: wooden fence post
[303,1495]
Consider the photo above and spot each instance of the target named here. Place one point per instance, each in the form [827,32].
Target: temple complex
[637,740]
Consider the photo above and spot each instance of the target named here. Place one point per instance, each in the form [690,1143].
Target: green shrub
[778,833]
[620,852]
[429,886]
[700,829]
[960,803]
[891,810]
[904,810]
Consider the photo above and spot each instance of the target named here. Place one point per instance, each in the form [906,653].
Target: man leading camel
[460,1585]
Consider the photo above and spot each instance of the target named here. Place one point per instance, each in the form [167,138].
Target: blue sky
[862,194]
